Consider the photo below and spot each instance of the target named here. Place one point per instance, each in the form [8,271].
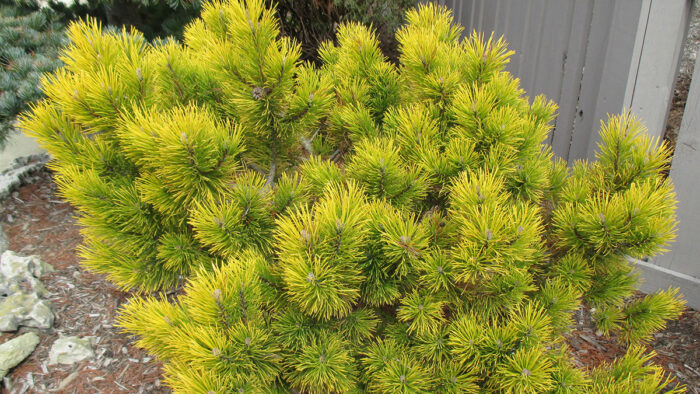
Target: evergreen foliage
[355,227]
[311,23]
[314,22]
[29,46]
[154,18]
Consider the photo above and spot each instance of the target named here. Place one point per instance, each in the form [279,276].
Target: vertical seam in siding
[538,45]
[507,22]
[564,63]
[498,12]
[481,17]
[580,82]
[641,53]
[471,15]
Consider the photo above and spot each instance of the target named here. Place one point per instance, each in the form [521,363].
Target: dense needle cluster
[353,227]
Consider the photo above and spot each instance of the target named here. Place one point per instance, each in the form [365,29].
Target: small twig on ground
[592,342]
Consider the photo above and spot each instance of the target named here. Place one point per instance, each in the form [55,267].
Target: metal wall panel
[582,54]
[600,57]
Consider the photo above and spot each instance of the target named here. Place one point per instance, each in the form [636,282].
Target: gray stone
[16,350]
[27,310]
[13,265]
[70,350]
[21,293]
[4,243]
[11,179]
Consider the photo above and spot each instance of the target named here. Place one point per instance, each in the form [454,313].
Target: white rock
[21,292]
[27,310]
[13,265]
[70,350]
[11,179]
[4,244]
[16,350]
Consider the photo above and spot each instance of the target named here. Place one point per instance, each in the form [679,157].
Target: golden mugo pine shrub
[354,227]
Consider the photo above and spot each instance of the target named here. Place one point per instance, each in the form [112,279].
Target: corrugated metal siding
[556,42]
[595,57]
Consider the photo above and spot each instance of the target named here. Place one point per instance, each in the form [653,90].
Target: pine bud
[258,93]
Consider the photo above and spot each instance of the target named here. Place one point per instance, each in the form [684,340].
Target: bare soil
[37,222]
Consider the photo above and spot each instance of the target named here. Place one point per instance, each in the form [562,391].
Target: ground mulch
[677,347]
[37,222]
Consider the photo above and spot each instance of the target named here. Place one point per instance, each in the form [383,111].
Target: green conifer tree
[360,227]
[29,45]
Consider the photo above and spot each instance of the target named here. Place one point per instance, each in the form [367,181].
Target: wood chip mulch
[37,222]
[677,347]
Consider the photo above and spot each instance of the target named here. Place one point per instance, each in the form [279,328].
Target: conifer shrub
[357,226]
[29,45]
[154,18]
